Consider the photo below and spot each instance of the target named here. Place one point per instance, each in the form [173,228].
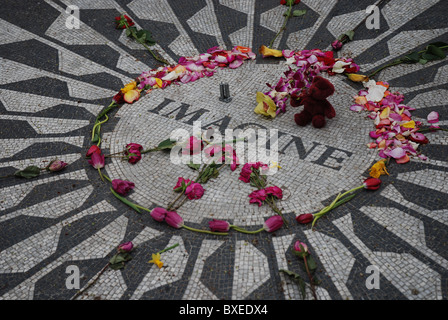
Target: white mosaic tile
[196,290]
[250,271]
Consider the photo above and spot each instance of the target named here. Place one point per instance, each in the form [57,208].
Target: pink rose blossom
[194,191]
[125,247]
[275,191]
[258,196]
[122,186]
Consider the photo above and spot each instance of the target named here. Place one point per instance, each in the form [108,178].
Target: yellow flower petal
[378,169]
[266,105]
[409,124]
[131,96]
[128,87]
[385,113]
[357,77]
[267,52]
[159,82]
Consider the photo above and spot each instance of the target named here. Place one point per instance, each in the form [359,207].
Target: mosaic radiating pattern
[55,80]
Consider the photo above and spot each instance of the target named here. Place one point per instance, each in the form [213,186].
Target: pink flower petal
[433,117]
[235,64]
[397,153]
[356,108]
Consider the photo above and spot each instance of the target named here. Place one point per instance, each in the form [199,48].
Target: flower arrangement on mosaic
[188,69]
[301,250]
[303,67]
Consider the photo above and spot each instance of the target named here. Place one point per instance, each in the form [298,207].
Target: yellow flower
[267,52]
[156,260]
[357,77]
[274,164]
[130,86]
[378,169]
[265,105]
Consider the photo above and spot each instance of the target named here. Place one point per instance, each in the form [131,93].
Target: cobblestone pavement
[55,81]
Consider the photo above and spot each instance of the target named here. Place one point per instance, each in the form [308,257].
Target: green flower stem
[143,208]
[277,210]
[125,201]
[175,200]
[107,178]
[166,249]
[182,202]
[152,53]
[105,111]
[246,231]
[98,125]
[283,26]
[313,289]
[394,63]
[336,202]
[101,175]
[431,129]
[205,231]
[149,150]
[134,35]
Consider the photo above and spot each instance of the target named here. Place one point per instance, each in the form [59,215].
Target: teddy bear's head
[320,88]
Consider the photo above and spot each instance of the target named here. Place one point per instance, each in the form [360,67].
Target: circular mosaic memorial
[58,75]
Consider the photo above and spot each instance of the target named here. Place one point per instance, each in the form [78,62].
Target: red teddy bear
[316,105]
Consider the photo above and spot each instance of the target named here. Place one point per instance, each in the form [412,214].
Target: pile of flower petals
[190,69]
[307,64]
[396,133]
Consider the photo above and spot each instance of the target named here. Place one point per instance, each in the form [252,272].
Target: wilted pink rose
[273,223]
[158,214]
[275,191]
[125,247]
[305,218]
[131,147]
[258,196]
[194,191]
[298,246]
[219,225]
[97,160]
[122,186]
[337,45]
[246,171]
[174,220]
[56,165]
[133,151]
